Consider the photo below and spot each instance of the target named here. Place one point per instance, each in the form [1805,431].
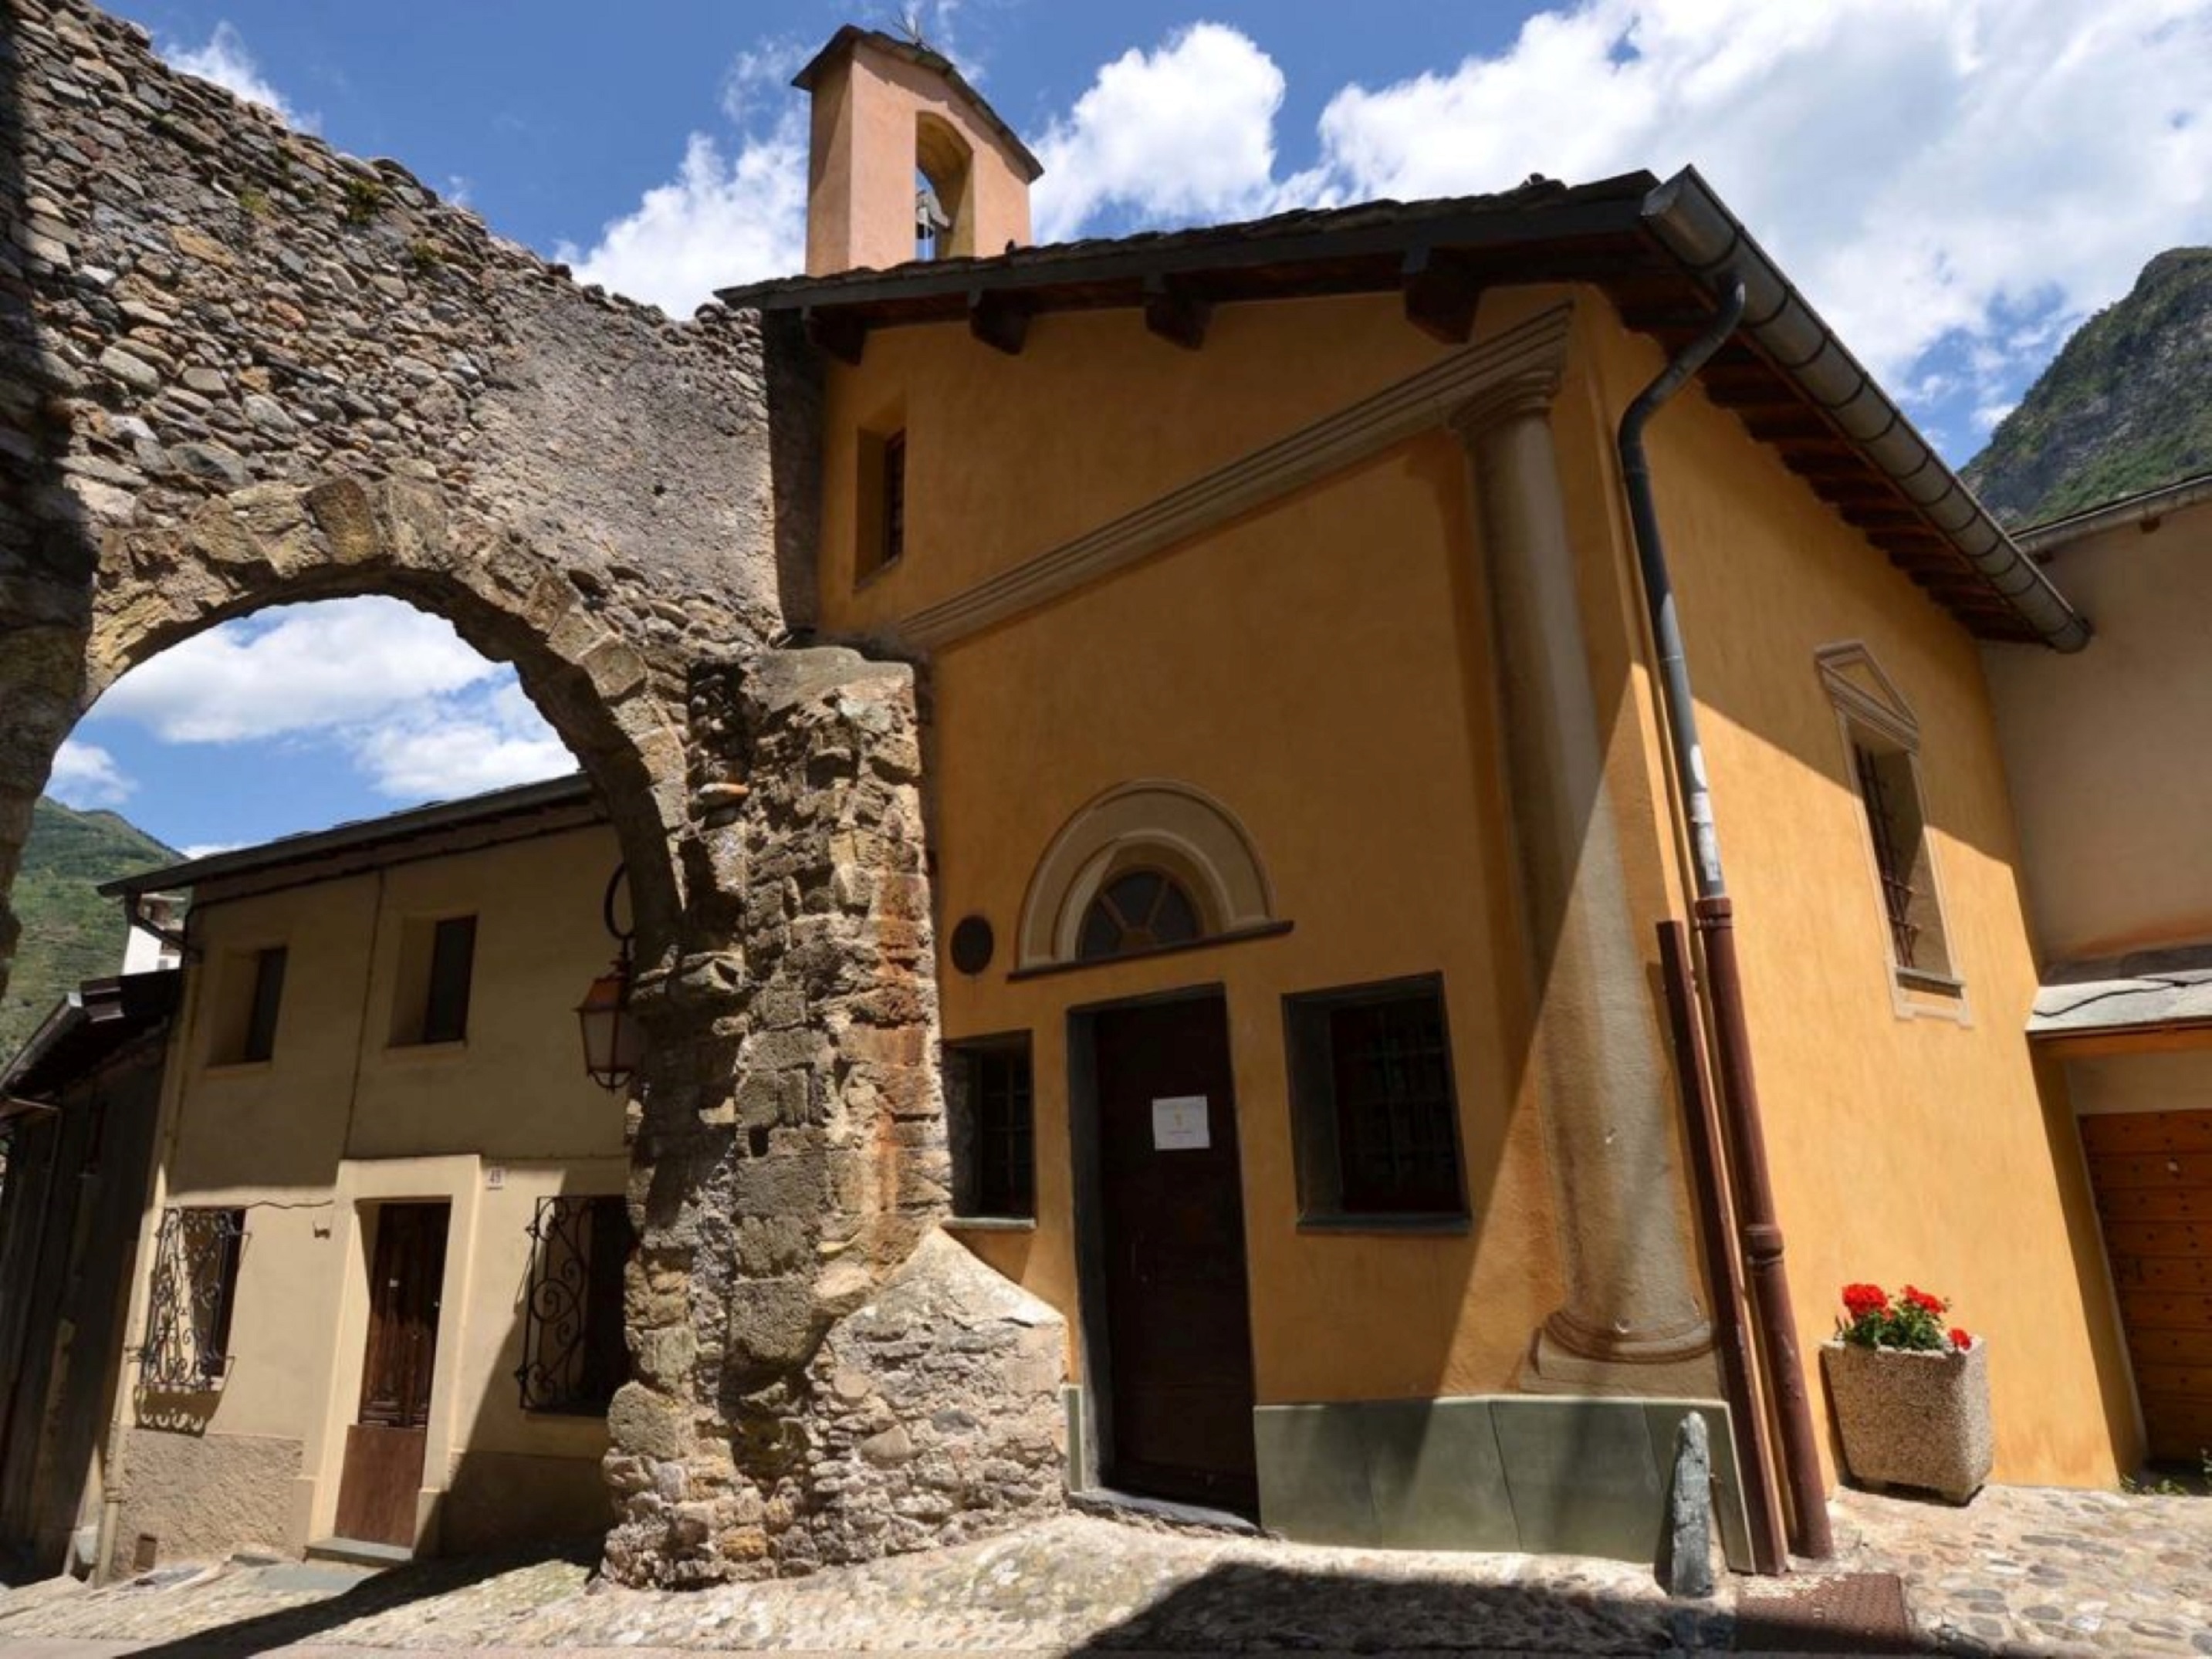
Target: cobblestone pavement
[2019,1571]
[2037,1570]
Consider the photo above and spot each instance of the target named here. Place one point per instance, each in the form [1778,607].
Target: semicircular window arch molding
[1148,842]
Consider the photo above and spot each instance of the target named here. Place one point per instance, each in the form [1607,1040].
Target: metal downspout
[1757,1226]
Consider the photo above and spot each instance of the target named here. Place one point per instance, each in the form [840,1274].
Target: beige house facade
[378,1297]
[2104,760]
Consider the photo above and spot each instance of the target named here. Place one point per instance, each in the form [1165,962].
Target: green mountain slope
[69,933]
[2127,406]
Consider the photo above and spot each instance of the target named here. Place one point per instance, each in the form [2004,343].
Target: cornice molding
[1528,355]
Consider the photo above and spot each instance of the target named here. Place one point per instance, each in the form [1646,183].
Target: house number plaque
[1179,1124]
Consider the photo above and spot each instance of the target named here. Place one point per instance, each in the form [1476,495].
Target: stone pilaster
[1631,1320]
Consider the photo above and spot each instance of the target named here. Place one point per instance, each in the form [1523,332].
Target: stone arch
[1155,821]
[341,536]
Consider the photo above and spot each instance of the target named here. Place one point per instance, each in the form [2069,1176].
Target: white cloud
[86,775]
[722,221]
[1922,168]
[295,668]
[208,849]
[760,77]
[462,747]
[1184,132]
[225,61]
[411,707]
[1964,178]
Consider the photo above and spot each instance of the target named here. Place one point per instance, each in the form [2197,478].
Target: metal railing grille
[188,1315]
[574,1355]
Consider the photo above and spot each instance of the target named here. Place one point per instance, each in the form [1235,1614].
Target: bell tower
[905,161]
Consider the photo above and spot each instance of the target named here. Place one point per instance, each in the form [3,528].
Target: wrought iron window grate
[573,1353]
[1897,895]
[196,1257]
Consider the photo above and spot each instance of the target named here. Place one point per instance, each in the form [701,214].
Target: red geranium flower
[1863,1299]
[1960,1339]
[1922,1300]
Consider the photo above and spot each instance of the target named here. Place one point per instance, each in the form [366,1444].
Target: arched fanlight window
[1138,910]
[1149,864]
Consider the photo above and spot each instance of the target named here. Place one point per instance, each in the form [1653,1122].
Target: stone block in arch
[1150,823]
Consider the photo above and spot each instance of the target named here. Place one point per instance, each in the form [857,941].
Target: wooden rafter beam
[841,334]
[999,320]
[1440,296]
[1174,312]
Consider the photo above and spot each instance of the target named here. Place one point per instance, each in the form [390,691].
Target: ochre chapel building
[1470,876]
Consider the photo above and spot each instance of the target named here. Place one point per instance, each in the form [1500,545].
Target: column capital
[1524,395]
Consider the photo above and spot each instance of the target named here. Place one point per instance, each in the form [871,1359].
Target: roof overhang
[502,814]
[85,1029]
[1661,251]
[2160,998]
[2145,510]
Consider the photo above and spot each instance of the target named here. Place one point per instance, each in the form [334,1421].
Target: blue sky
[1956,183]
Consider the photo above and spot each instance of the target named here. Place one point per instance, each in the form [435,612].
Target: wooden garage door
[2153,1175]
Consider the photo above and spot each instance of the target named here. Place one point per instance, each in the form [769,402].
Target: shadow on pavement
[382,1593]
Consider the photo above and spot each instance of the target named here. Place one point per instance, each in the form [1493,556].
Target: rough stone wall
[822,1402]
[237,368]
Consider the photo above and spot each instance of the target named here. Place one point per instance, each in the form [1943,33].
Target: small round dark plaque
[972,945]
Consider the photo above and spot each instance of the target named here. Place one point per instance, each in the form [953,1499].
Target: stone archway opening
[341,537]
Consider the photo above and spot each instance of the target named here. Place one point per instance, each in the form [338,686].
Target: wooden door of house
[383,1474]
[1179,1337]
[2152,1172]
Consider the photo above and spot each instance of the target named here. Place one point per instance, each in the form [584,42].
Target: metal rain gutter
[2144,509]
[1693,225]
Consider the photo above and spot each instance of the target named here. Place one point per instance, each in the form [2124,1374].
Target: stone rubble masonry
[239,369]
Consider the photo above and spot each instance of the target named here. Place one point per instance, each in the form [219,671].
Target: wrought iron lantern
[611,1037]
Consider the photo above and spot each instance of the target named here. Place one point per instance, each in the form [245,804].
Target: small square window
[1374,1110]
[249,992]
[436,961]
[989,1110]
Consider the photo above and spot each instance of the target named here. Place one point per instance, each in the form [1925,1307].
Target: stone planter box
[1912,1419]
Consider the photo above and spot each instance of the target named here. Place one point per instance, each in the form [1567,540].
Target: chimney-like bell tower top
[905,161]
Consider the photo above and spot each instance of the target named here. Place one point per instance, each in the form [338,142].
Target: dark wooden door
[1179,1335]
[383,1476]
[2153,1176]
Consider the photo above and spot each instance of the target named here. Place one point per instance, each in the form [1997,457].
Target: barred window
[1881,747]
[195,1283]
[1896,829]
[573,1354]
[990,1111]
[1374,1109]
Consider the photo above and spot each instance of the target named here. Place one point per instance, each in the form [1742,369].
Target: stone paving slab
[2020,1572]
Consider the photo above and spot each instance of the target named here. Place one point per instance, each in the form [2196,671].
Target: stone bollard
[1685,1564]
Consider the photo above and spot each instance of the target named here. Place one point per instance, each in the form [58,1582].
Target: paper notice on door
[1179,1124]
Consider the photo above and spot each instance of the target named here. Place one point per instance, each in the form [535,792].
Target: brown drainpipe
[1732,1337]
[1715,917]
